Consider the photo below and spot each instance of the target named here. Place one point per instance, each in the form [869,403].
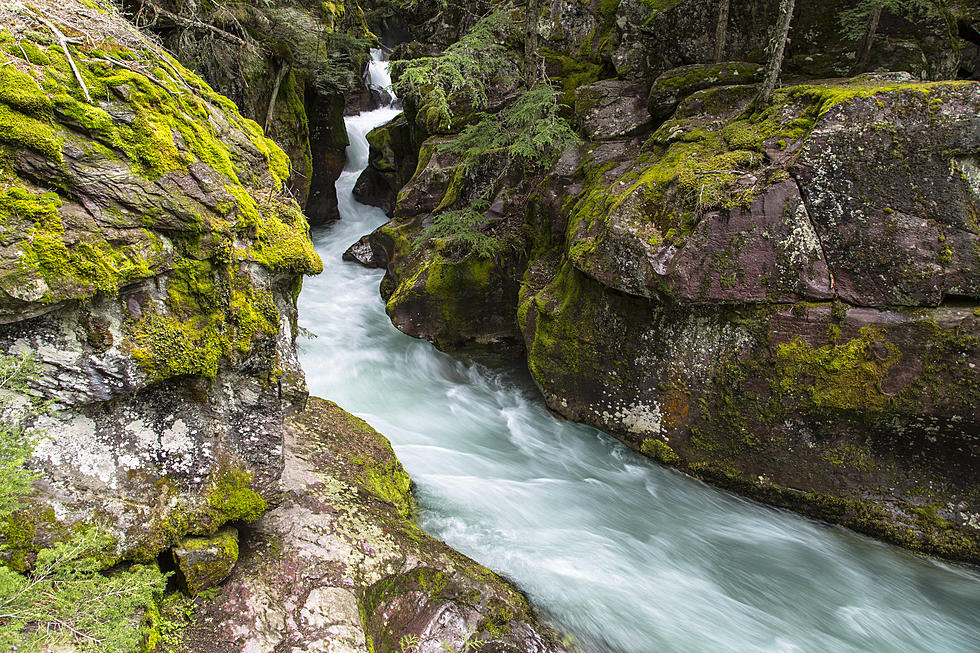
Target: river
[625,555]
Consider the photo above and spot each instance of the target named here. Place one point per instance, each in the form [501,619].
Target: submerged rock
[339,566]
[363,252]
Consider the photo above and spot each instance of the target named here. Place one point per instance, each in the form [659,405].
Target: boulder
[206,561]
[149,265]
[728,301]
[611,109]
[678,83]
[338,565]
[893,183]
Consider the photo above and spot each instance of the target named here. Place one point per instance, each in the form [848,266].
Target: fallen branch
[191,23]
[720,172]
[64,48]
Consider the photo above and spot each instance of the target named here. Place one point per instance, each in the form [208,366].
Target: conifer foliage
[526,135]
[464,72]
[64,598]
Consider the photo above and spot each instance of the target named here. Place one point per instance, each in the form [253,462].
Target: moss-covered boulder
[339,565]
[678,83]
[392,160]
[204,562]
[455,300]
[726,301]
[150,261]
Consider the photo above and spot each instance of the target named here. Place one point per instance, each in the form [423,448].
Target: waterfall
[626,555]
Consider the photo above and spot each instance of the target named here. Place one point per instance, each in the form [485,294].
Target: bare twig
[191,23]
[64,48]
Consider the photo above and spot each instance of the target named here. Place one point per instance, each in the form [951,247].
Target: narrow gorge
[660,283]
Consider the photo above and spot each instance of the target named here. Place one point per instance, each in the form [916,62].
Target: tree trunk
[864,54]
[275,95]
[721,31]
[777,48]
[531,42]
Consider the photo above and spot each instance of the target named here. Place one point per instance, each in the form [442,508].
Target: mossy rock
[205,562]
[676,84]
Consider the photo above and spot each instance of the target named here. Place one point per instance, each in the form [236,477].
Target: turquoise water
[625,555]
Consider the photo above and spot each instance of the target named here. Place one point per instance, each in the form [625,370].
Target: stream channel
[625,555]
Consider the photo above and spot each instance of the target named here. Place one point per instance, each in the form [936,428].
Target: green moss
[233,498]
[390,481]
[572,72]
[215,311]
[166,347]
[20,92]
[20,131]
[17,532]
[275,158]
[249,218]
[710,75]
[570,323]
[282,242]
[660,451]
[847,376]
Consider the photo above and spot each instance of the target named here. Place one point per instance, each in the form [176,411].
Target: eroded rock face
[757,344]
[338,566]
[651,38]
[151,261]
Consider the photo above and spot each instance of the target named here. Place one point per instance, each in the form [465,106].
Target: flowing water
[625,555]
